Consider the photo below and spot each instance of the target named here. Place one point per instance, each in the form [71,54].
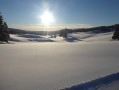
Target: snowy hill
[75,37]
[57,63]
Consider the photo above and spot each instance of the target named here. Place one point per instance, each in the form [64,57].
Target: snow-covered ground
[75,37]
[36,62]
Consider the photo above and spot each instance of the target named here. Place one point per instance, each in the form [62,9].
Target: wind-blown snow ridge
[97,83]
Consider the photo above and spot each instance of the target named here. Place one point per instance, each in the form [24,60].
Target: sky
[26,14]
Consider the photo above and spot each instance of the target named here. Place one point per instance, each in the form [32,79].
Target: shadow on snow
[95,84]
[29,36]
[15,40]
[39,40]
[72,39]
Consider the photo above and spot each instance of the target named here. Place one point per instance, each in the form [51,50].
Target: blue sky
[25,14]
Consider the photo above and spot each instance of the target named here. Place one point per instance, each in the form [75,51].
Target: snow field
[54,65]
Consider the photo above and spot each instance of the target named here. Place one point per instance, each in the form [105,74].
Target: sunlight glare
[47,18]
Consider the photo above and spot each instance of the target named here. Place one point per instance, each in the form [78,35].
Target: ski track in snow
[84,61]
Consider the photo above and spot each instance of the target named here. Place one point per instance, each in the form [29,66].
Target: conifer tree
[116,34]
[4,33]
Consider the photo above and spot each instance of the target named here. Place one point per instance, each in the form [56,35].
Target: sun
[47,18]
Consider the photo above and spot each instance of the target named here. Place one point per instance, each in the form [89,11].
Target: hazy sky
[67,13]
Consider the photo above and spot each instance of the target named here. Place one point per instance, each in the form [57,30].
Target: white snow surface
[35,62]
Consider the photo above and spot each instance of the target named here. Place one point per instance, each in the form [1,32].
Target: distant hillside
[19,31]
[99,28]
[16,31]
